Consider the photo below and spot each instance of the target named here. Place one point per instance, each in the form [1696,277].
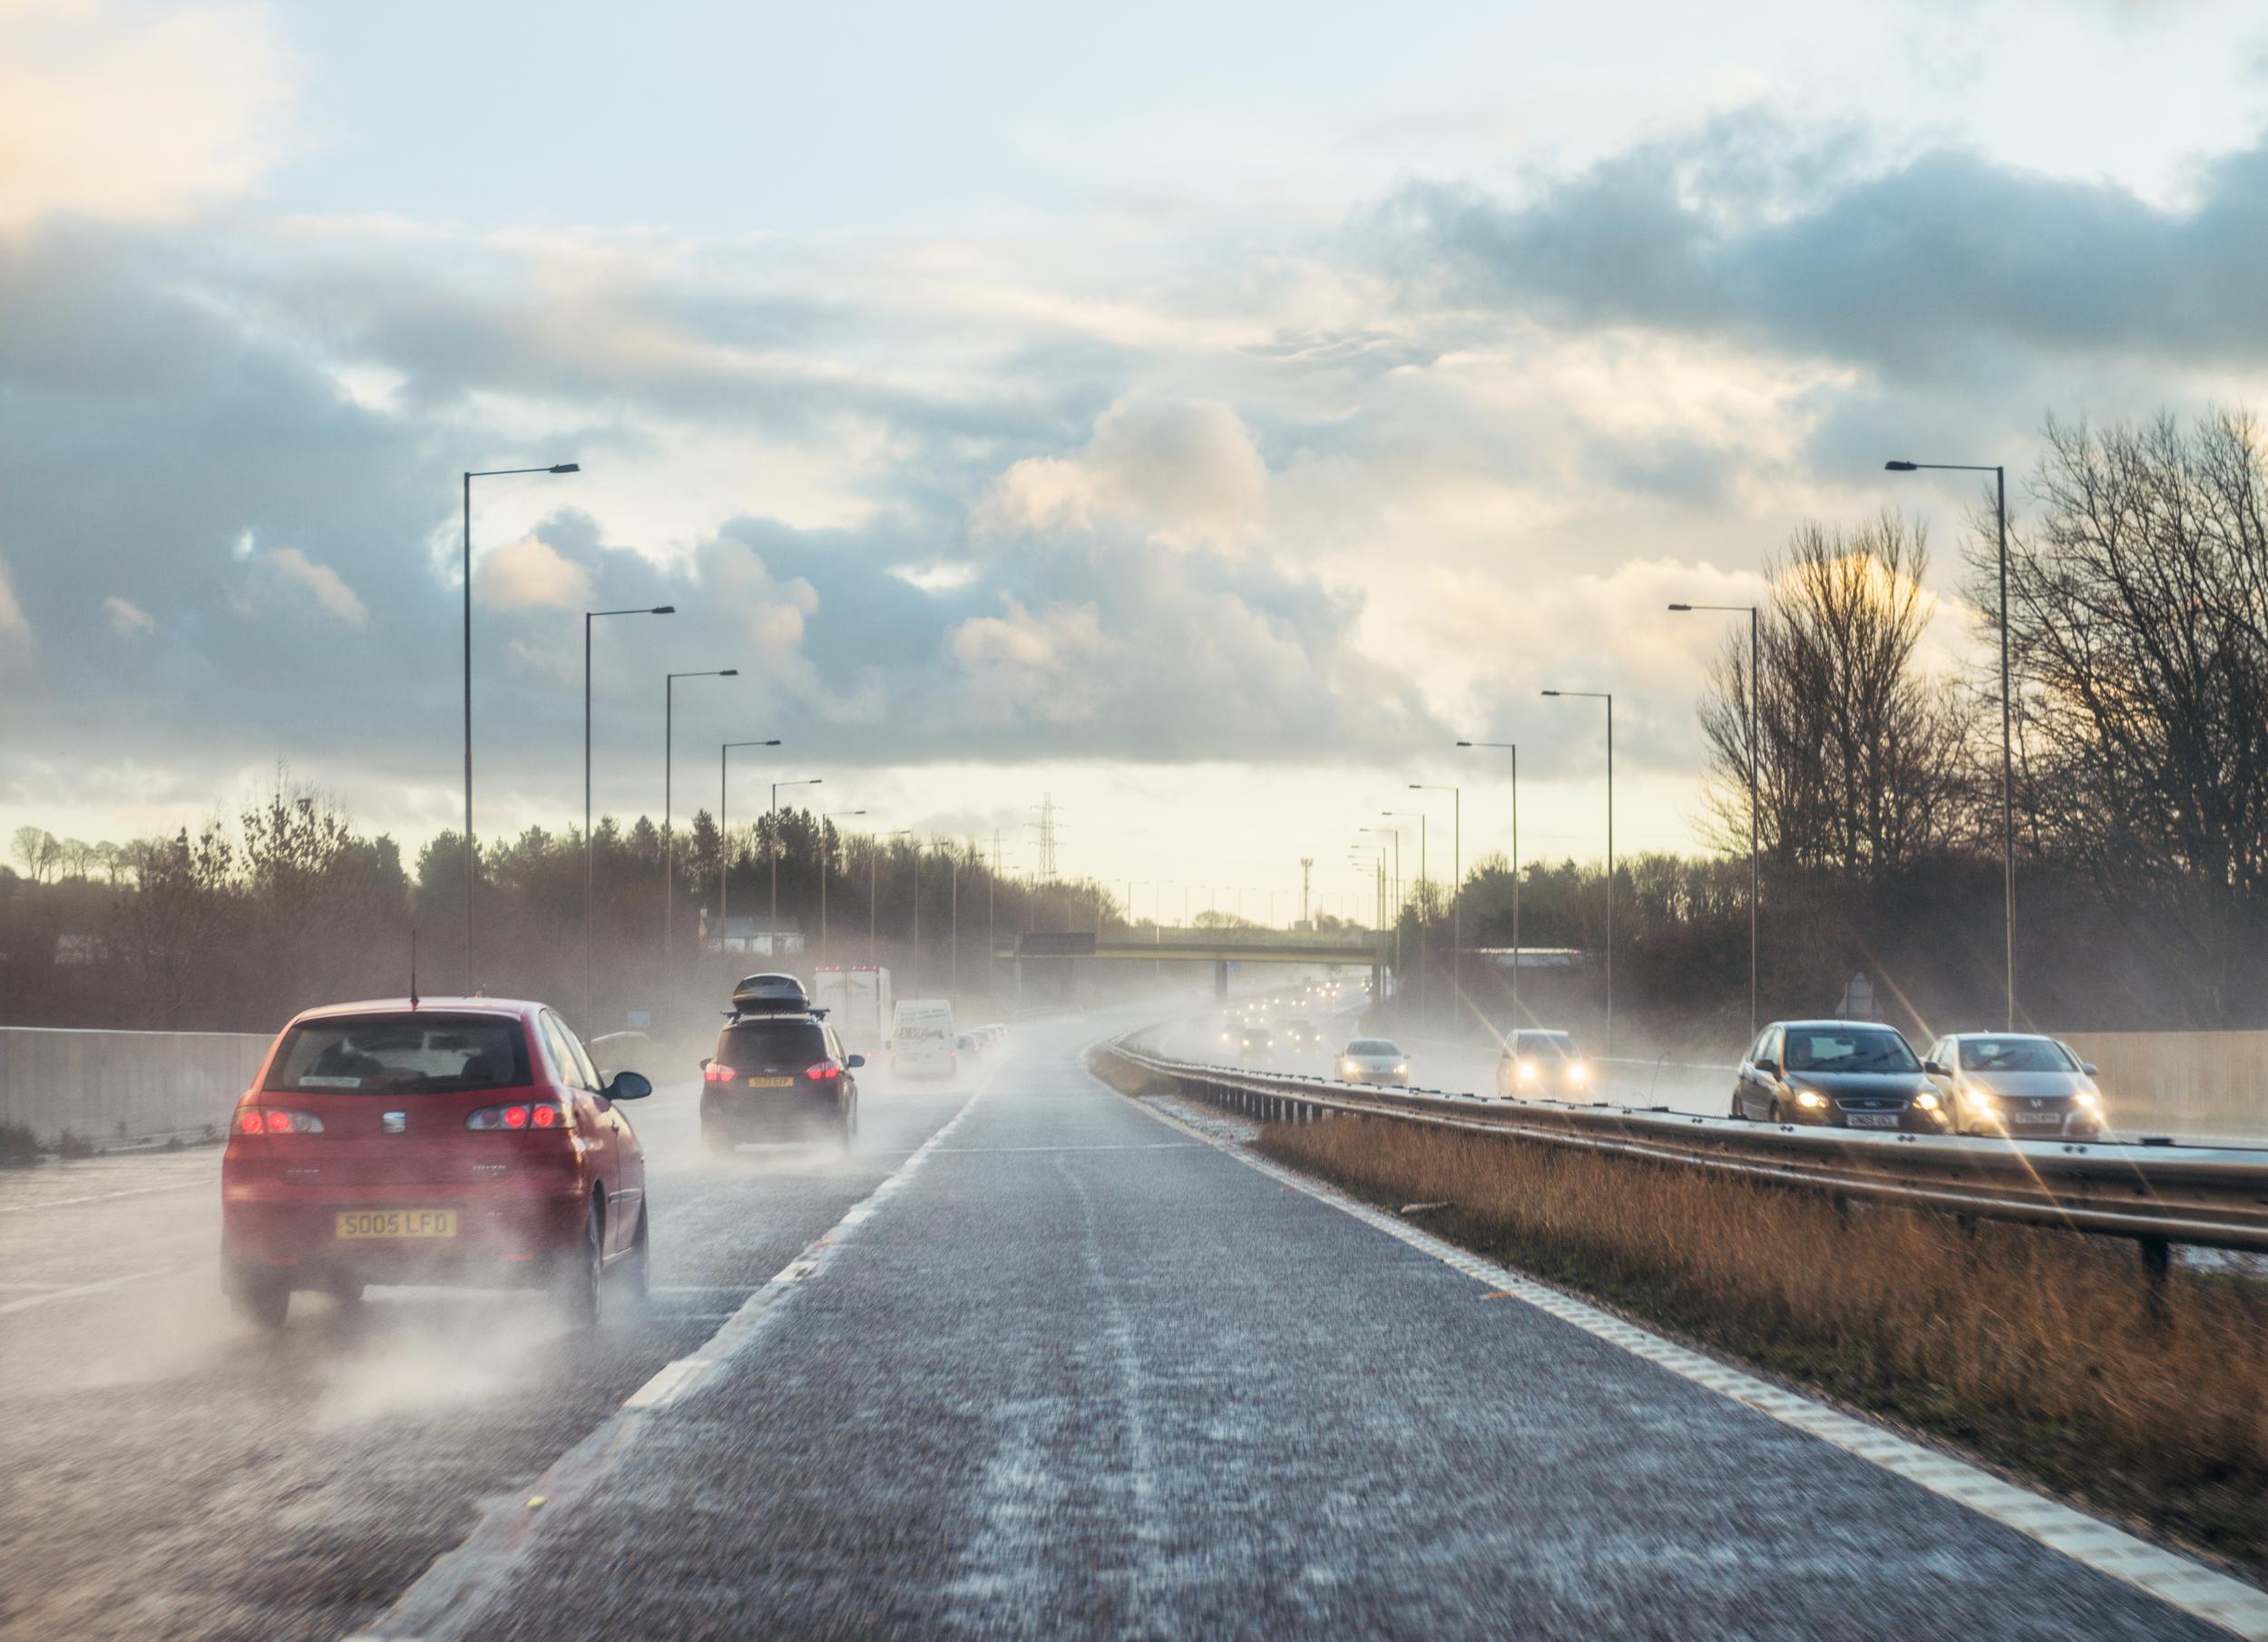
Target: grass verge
[2044,1354]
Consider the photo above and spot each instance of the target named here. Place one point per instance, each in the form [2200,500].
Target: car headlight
[1984,1100]
[1402,1069]
[1578,1072]
[1926,1100]
[1527,1070]
[2087,1098]
[1810,1099]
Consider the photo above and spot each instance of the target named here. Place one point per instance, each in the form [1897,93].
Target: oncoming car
[1256,1043]
[1847,1074]
[2017,1084]
[1373,1060]
[1541,1063]
[463,1140]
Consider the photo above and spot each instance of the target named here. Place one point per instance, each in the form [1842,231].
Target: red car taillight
[717,1071]
[520,1114]
[825,1071]
[275,1120]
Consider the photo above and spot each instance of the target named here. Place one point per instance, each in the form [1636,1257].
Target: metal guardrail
[2206,1197]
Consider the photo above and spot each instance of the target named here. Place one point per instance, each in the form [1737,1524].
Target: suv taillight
[275,1120]
[823,1071]
[717,1071]
[520,1114]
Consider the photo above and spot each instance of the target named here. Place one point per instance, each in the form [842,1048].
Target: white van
[922,1041]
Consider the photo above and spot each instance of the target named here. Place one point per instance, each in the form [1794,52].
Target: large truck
[856,998]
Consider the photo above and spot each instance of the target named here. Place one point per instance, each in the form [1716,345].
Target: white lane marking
[73,1292]
[450,1592]
[1165,1146]
[138,1191]
[2196,1589]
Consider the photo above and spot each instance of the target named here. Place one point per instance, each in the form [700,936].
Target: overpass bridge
[1363,949]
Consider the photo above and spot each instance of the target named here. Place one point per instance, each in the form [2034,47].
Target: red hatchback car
[453,1140]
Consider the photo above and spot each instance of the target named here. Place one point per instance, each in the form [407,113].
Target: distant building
[756,935]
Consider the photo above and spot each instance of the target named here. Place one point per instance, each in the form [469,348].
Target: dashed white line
[76,1290]
[2196,1589]
[138,1191]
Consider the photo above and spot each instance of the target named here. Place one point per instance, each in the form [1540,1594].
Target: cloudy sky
[1205,414]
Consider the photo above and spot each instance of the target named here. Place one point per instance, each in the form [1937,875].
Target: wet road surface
[1068,1370]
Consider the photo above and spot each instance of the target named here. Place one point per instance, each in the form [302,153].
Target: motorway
[1035,1359]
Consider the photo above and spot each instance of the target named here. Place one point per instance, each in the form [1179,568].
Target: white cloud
[532,575]
[11,622]
[328,588]
[128,619]
[112,113]
[1184,472]
[1033,666]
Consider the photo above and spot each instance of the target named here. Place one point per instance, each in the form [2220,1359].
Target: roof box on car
[770,995]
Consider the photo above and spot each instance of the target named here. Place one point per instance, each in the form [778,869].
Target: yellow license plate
[397,1222]
[771,1083]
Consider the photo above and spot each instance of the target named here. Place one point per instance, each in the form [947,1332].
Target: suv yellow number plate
[771,1083]
[397,1223]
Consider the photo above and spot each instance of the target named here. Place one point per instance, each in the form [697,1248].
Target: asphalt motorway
[1057,1367]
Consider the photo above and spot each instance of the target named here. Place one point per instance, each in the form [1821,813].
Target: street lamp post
[724,833]
[772,822]
[1396,893]
[1513,749]
[1755,760]
[826,871]
[1425,938]
[590,1004]
[1456,882]
[1607,697]
[2008,736]
[874,869]
[469,873]
[669,756]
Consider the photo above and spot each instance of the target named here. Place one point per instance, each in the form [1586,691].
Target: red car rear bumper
[504,1234]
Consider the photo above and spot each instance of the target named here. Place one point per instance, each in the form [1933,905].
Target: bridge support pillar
[1220,979]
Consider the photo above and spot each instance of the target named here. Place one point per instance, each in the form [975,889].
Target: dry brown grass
[2041,1352]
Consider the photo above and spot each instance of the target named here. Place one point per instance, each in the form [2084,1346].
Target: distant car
[461,1140]
[1847,1074]
[780,1073]
[971,1044]
[1546,1064]
[1300,1033]
[1373,1060]
[2019,1084]
[1256,1043]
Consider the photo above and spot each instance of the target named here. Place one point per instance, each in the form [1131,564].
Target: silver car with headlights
[2020,1084]
[1542,1065]
[1373,1060]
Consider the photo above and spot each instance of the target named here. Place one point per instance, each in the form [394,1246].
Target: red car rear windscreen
[401,1054]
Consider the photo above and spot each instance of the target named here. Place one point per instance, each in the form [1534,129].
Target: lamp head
[1685,607]
[728,672]
[1551,692]
[663,609]
[567,468]
[1900,467]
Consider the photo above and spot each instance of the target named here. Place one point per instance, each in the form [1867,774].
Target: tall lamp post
[1394,894]
[2008,737]
[1513,749]
[1755,760]
[470,871]
[1425,939]
[1457,885]
[772,940]
[1607,697]
[590,1003]
[669,754]
[724,835]
[826,870]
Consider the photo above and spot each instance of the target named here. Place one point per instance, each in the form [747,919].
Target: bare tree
[2139,633]
[1859,753]
[36,851]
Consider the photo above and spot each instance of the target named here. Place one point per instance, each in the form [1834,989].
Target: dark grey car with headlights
[2019,1084]
[1839,1074]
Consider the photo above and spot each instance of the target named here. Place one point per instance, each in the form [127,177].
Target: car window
[2014,1055]
[582,1058]
[1843,1048]
[1543,1043]
[401,1054]
[560,1047]
[1762,1049]
[747,1045]
[1373,1046]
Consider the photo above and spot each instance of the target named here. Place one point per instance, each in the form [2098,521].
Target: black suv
[779,1073]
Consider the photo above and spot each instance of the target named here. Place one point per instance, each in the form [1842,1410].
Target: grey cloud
[1743,230]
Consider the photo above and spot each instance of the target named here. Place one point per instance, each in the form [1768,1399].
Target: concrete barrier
[112,1086]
